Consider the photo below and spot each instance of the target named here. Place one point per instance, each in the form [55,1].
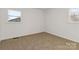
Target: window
[74,15]
[14,16]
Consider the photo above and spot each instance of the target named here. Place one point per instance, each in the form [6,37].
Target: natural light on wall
[74,15]
[14,16]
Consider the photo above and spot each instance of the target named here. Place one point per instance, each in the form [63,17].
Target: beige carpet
[41,41]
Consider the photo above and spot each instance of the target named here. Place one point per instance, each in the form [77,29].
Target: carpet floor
[40,41]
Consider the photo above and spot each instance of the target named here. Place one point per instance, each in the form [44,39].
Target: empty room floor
[40,41]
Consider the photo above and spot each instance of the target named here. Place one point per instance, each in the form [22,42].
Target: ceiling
[43,8]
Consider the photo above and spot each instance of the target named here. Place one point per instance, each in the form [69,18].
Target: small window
[74,15]
[14,16]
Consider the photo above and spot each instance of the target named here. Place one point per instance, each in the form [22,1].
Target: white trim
[64,37]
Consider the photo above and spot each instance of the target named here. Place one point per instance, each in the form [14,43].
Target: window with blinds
[14,16]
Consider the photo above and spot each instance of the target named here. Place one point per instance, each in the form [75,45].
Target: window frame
[13,15]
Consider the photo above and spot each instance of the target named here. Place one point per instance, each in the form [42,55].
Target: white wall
[56,23]
[32,22]
[53,21]
[0,24]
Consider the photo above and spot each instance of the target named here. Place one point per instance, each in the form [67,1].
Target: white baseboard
[19,35]
[64,37]
[46,32]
